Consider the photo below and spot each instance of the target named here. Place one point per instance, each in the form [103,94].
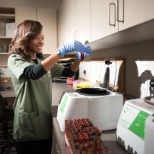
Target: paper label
[63,103]
[134,119]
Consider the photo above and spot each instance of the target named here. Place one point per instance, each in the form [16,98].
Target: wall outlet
[84,71]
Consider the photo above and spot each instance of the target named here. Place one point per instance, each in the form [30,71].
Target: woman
[31,76]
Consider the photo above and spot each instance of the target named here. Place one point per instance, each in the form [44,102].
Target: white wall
[143,51]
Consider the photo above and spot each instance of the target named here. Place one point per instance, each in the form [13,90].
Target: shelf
[4,53]
[7,13]
[7,16]
[139,33]
[5,37]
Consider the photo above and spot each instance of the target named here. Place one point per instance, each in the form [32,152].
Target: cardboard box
[10,26]
[9,32]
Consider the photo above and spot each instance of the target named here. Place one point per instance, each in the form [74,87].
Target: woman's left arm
[75,65]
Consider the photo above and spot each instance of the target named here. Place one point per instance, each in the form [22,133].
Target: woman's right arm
[49,62]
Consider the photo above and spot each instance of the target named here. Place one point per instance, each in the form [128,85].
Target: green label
[134,119]
[138,124]
[63,104]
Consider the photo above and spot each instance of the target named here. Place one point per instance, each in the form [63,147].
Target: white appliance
[131,129]
[149,135]
[102,110]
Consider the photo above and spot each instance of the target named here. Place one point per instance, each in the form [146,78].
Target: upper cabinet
[7,26]
[108,17]
[134,12]
[83,21]
[74,21]
[64,31]
[104,21]
[103,18]
[48,18]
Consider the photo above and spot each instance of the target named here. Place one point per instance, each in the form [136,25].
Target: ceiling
[31,3]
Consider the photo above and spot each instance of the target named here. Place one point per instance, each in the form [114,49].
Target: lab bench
[108,137]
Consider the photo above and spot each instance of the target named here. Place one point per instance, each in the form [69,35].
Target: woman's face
[36,45]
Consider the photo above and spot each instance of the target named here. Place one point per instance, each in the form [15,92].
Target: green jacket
[32,106]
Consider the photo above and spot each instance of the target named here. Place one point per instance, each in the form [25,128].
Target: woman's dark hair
[25,32]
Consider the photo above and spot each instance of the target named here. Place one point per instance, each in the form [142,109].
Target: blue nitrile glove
[70,47]
[86,52]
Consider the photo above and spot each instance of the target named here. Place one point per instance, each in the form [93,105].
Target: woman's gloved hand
[70,47]
[86,52]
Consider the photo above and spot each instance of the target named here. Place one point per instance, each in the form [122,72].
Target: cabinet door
[48,18]
[83,20]
[73,19]
[103,18]
[64,23]
[23,13]
[135,12]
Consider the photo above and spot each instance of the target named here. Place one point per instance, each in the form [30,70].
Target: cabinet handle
[75,35]
[118,10]
[57,148]
[114,6]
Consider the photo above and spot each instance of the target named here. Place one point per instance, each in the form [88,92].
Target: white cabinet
[135,12]
[80,20]
[86,20]
[74,21]
[94,20]
[103,18]
[83,20]
[48,18]
[122,14]
[64,31]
